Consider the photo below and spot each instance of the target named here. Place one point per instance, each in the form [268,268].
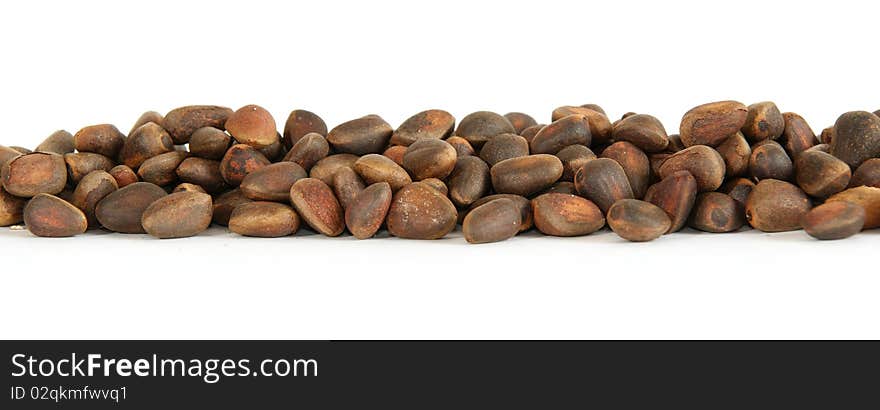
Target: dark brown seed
[643,131]
[81,163]
[209,143]
[429,158]
[365,135]
[493,221]
[11,208]
[717,212]
[594,107]
[523,203]
[856,138]
[149,116]
[91,190]
[769,161]
[600,126]
[121,210]
[102,139]
[226,203]
[469,180]
[396,153]
[253,125]
[573,157]
[635,164]
[797,136]
[308,150]
[703,162]
[374,168]
[675,195]
[776,206]
[529,133]
[325,168]
[182,122]
[526,175]
[820,174]
[827,135]
[712,123]
[366,212]
[604,182]
[264,220]
[675,144]
[347,184]
[867,174]
[274,152]
[22,150]
[144,143]
[570,130]
[437,184]
[820,147]
[738,189]
[430,124]
[736,153]
[764,121]
[272,182]
[566,215]
[504,146]
[637,221]
[32,174]
[202,172]
[187,187]
[479,126]
[6,154]
[301,123]
[461,145]
[317,206]
[420,212]
[60,142]
[867,197]
[162,169]
[50,216]
[178,215]
[656,161]
[520,121]
[834,220]
[240,160]
[123,175]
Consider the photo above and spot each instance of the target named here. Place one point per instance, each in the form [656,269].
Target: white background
[71,64]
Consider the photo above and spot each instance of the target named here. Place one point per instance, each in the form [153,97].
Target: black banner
[410,374]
